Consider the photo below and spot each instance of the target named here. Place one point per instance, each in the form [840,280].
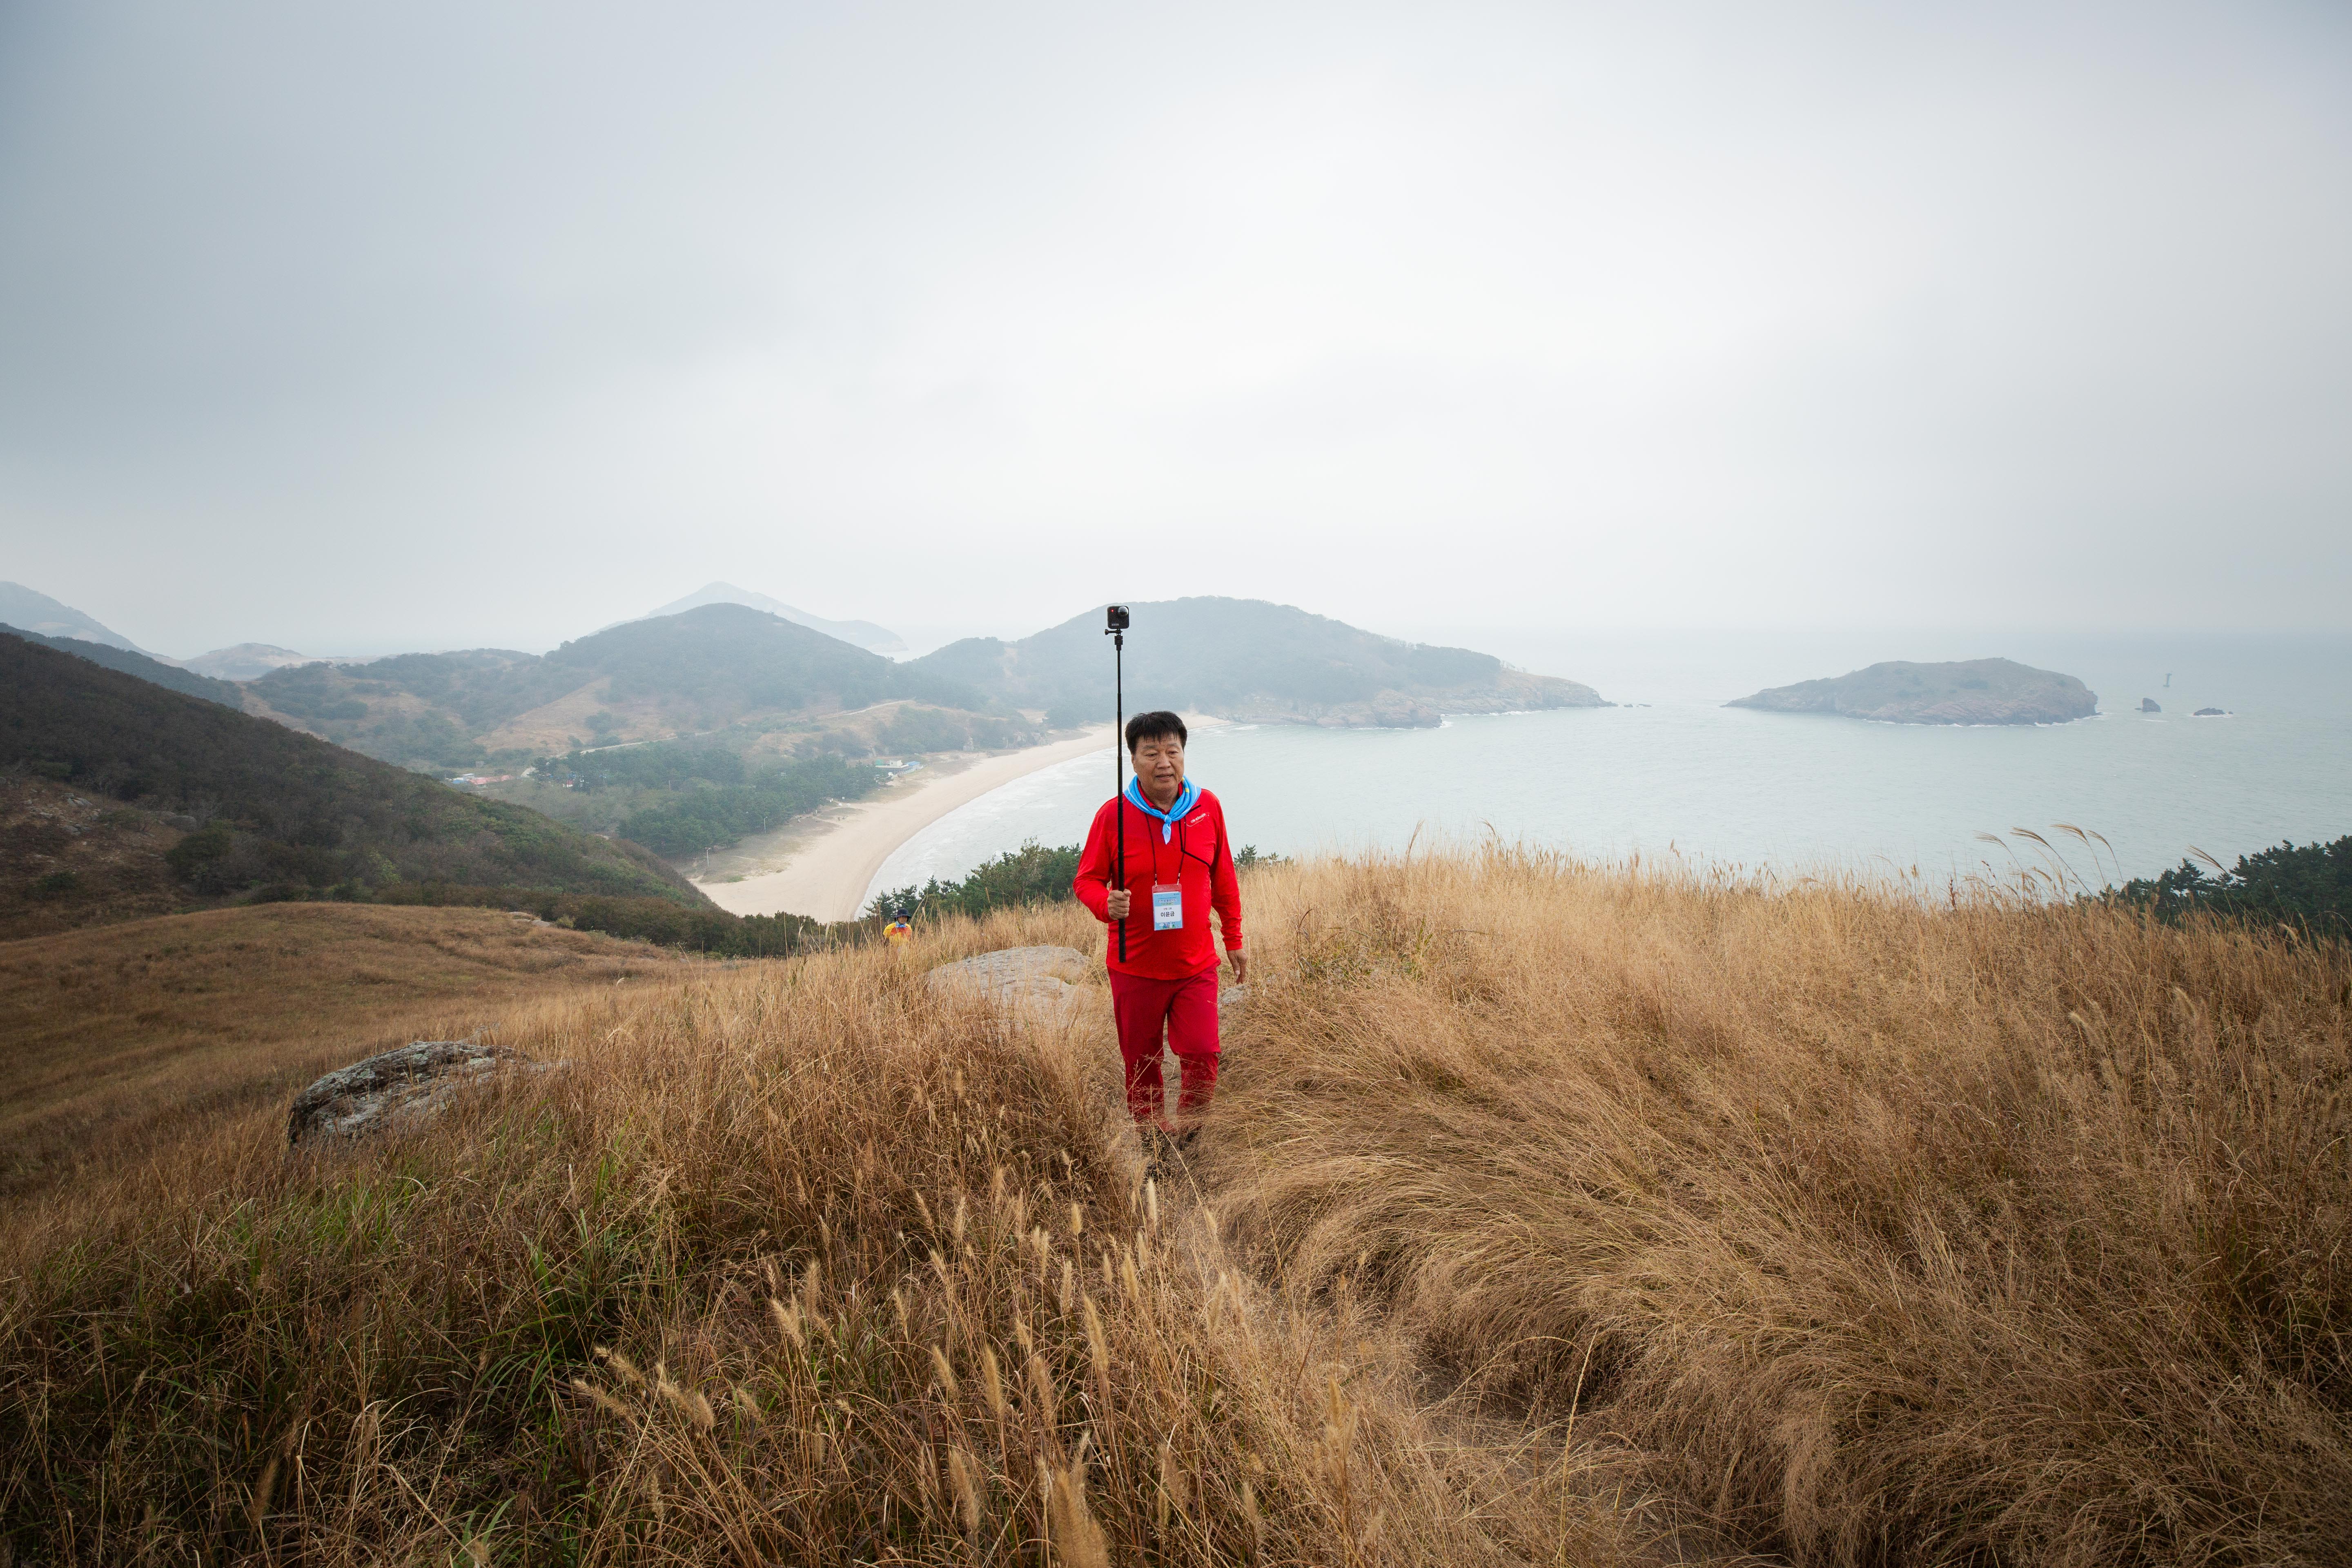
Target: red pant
[1187,1008]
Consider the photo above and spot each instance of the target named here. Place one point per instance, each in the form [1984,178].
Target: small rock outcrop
[1037,981]
[397,1086]
[2151,705]
[2211,713]
[1965,691]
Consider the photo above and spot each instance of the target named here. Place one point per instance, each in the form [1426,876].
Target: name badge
[1167,907]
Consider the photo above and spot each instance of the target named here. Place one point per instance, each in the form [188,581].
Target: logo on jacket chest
[1193,836]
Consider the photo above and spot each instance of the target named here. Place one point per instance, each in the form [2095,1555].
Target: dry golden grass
[1986,1233]
[114,1036]
[796,1263]
[1548,1214]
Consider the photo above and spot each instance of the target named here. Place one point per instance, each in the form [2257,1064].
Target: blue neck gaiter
[1186,799]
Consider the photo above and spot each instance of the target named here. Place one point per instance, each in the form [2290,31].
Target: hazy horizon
[357,335]
[1603,655]
[1528,642]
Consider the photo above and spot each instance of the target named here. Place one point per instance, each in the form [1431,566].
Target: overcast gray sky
[429,325]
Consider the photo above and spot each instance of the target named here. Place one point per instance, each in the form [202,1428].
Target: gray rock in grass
[1035,981]
[401,1086]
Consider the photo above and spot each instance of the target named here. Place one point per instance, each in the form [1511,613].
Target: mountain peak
[860,634]
[35,612]
[244,661]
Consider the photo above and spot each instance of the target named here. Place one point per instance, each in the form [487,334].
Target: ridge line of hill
[1251,660]
[726,665]
[128,662]
[247,807]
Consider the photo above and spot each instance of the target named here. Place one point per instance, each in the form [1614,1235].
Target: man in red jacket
[1180,866]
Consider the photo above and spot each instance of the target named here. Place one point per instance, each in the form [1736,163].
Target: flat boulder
[1038,981]
[401,1086]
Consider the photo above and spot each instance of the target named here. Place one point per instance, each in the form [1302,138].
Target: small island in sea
[1962,691]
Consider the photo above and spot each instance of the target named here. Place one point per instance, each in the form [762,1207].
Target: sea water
[1671,771]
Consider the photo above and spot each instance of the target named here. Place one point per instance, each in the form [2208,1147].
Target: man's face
[1159,765]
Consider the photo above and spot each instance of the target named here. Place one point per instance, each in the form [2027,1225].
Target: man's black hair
[1151,726]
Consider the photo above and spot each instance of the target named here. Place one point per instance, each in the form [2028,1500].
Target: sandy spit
[828,874]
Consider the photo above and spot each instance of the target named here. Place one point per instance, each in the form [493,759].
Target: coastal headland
[1250,661]
[738,752]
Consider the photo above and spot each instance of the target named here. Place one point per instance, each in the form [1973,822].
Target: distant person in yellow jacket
[900,930]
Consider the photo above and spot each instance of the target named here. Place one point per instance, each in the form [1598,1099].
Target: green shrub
[2309,886]
[1032,874]
[190,857]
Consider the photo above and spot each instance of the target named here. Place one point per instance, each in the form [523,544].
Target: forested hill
[279,811]
[682,674]
[166,675]
[726,659]
[1248,659]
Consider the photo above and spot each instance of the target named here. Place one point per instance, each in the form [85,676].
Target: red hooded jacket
[1197,856]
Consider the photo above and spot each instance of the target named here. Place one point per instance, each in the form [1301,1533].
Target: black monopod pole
[1118,620]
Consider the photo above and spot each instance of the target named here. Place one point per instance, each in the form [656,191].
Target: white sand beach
[827,865]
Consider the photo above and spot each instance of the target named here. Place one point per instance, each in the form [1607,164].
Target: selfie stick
[1118,618]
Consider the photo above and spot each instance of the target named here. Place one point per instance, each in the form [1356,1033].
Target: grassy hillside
[1246,658]
[69,858]
[1548,1214]
[685,673]
[415,709]
[118,1038]
[130,663]
[1987,1233]
[283,813]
